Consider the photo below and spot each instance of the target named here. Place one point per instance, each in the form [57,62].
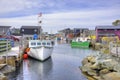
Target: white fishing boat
[40,49]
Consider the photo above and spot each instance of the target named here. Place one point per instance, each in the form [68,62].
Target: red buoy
[25,56]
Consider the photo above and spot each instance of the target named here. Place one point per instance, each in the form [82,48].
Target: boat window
[48,43]
[33,43]
[38,43]
[43,43]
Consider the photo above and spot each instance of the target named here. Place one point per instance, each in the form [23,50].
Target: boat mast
[40,24]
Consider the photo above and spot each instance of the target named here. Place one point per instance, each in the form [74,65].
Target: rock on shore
[101,67]
[7,66]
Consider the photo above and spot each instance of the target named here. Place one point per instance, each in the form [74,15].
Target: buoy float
[27,49]
[25,56]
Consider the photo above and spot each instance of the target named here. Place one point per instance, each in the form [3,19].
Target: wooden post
[7,50]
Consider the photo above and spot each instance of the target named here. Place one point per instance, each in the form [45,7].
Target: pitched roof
[30,27]
[5,26]
[30,30]
[107,27]
[81,28]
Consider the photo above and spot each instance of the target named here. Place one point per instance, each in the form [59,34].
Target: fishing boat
[40,49]
[41,46]
[80,42]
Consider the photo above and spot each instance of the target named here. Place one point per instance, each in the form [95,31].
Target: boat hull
[80,44]
[40,53]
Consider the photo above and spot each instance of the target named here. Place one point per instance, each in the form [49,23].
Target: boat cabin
[81,39]
[40,43]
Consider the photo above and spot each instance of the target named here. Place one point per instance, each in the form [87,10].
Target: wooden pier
[10,60]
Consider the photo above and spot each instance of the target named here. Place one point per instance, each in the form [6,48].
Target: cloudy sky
[59,14]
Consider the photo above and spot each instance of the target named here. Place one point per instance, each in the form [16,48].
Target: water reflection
[63,65]
[35,70]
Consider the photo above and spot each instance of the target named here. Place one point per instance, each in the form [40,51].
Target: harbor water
[62,65]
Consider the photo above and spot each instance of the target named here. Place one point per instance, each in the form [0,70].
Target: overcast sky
[59,14]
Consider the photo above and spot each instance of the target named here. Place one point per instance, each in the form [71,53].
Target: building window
[30,38]
[35,30]
[22,30]
[43,43]
[33,43]
[115,29]
[38,43]
[48,43]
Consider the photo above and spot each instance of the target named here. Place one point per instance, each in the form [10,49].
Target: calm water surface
[63,65]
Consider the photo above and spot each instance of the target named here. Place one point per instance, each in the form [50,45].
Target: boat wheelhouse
[40,43]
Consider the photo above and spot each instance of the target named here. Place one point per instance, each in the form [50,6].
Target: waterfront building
[92,35]
[69,34]
[80,31]
[66,31]
[107,31]
[4,30]
[66,34]
[15,31]
[28,31]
